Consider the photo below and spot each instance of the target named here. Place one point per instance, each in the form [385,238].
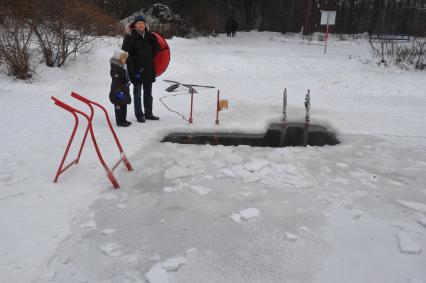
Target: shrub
[70,27]
[406,55]
[15,40]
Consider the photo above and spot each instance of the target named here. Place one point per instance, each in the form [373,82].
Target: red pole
[192,102]
[60,170]
[85,134]
[217,108]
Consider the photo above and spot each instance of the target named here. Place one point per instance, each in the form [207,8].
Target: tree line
[353,16]
[58,30]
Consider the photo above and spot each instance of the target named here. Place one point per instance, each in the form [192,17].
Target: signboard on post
[328,18]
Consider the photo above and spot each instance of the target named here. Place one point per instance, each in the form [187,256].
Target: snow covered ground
[355,212]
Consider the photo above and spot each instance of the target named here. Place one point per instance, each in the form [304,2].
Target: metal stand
[307,109]
[89,128]
[307,106]
[285,105]
[191,90]
[217,108]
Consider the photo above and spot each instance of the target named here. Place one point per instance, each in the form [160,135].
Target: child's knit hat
[119,54]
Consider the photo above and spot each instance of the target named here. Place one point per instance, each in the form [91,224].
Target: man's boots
[150,116]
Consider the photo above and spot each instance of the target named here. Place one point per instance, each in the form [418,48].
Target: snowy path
[349,213]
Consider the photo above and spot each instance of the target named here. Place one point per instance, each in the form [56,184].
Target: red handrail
[89,128]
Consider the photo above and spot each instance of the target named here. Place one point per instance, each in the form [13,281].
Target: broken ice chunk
[249,213]
[108,231]
[407,245]
[173,264]
[236,217]
[291,236]
[111,249]
[413,205]
[89,225]
[157,274]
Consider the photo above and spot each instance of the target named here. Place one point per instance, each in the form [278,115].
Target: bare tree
[66,29]
[250,9]
[308,15]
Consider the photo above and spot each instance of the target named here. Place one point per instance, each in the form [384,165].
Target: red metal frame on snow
[89,127]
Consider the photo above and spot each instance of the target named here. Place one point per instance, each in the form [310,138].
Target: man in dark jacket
[142,46]
[234,27]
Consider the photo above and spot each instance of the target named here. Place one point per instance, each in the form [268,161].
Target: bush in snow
[15,41]
[412,55]
[57,28]
[404,55]
[68,28]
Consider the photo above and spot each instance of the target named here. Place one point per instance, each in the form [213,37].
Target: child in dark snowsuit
[120,94]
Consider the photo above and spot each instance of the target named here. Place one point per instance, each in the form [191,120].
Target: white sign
[328,18]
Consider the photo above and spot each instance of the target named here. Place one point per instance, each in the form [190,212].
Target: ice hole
[277,135]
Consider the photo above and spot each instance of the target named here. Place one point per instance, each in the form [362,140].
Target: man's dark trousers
[147,99]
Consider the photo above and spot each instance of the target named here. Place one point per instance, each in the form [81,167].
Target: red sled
[162,58]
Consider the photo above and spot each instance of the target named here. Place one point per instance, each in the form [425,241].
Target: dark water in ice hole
[277,135]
